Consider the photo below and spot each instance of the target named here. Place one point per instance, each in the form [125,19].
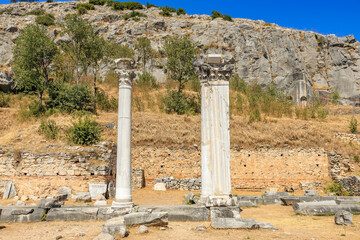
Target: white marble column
[215,130]
[123,196]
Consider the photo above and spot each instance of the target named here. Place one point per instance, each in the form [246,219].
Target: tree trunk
[179,86]
[95,88]
[40,97]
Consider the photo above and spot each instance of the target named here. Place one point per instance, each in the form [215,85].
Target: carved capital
[125,71]
[214,69]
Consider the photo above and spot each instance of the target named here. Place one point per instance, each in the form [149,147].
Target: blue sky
[327,17]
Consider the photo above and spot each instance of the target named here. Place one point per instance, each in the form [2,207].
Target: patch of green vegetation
[353,125]
[45,19]
[84,132]
[4,100]
[98,2]
[125,5]
[36,12]
[135,15]
[87,6]
[49,129]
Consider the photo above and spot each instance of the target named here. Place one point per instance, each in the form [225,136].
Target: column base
[218,201]
[116,204]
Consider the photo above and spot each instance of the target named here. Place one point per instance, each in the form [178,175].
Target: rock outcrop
[262,52]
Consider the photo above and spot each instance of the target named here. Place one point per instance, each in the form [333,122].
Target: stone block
[238,223]
[106,213]
[324,208]
[180,213]
[160,187]
[343,218]
[48,203]
[72,214]
[64,191]
[225,212]
[312,193]
[254,199]
[115,226]
[96,189]
[23,214]
[245,204]
[147,219]
[142,229]
[100,203]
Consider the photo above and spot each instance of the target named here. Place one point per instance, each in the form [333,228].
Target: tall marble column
[125,71]
[215,130]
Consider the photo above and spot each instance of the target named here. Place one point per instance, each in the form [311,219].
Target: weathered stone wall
[190,184]
[263,168]
[250,169]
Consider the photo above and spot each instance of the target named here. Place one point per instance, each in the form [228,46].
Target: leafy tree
[216,14]
[33,53]
[180,11]
[143,46]
[79,31]
[116,50]
[45,19]
[180,52]
[95,50]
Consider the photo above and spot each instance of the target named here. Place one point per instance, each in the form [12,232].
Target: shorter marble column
[125,71]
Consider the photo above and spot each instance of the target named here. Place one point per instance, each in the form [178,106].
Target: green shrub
[105,103]
[148,5]
[228,18]
[84,132]
[134,15]
[70,98]
[146,80]
[36,109]
[338,188]
[36,12]
[126,5]
[178,102]
[353,125]
[356,159]
[194,85]
[97,2]
[4,100]
[49,129]
[49,1]
[180,11]
[45,19]
[82,11]
[216,14]
[87,6]
[168,9]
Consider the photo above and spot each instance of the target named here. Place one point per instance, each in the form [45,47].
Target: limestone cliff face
[261,51]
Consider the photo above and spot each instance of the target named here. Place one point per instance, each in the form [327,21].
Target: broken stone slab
[64,193]
[238,223]
[160,187]
[116,226]
[346,201]
[180,213]
[96,189]
[147,219]
[82,197]
[225,212]
[10,190]
[106,213]
[254,199]
[23,214]
[49,203]
[312,193]
[288,201]
[245,204]
[72,214]
[343,218]
[324,208]
[218,201]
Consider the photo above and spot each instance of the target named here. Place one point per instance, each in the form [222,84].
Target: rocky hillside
[261,51]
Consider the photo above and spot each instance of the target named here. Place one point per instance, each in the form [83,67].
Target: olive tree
[33,53]
[181,53]
[143,47]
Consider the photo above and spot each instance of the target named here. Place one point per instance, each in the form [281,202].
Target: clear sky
[323,16]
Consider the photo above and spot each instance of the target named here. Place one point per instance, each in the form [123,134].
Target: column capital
[214,68]
[125,70]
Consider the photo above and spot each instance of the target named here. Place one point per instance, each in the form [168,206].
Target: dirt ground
[290,226]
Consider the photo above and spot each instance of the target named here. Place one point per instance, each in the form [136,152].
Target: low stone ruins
[215,203]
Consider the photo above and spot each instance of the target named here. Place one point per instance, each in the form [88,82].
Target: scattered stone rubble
[343,218]
[339,165]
